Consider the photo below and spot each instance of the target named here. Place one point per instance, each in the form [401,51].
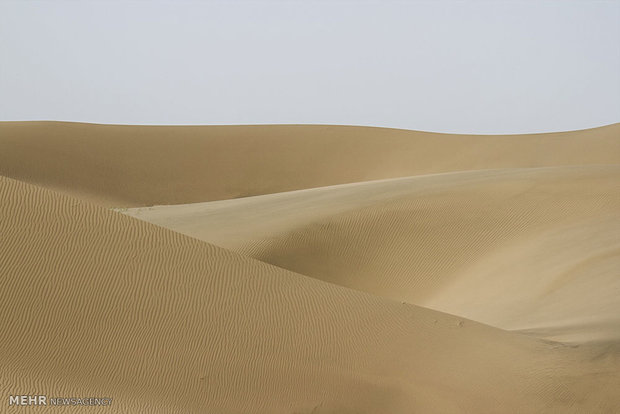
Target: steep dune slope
[532,249]
[100,304]
[124,166]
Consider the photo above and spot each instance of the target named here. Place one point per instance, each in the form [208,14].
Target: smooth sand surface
[407,272]
[535,248]
[130,166]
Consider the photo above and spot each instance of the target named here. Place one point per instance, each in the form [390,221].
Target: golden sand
[364,270]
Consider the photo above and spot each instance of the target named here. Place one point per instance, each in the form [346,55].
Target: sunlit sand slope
[533,249]
[100,304]
[124,166]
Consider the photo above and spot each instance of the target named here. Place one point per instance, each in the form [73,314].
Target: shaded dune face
[512,248]
[163,322]
[363,270]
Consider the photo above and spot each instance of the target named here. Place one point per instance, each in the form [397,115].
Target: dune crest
[512,248]
[132,166]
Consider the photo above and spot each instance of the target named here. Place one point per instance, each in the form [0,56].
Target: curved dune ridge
[97,303]
[310,269]
[131,166]
[514,248]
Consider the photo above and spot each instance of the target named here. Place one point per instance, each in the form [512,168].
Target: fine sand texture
[535,248]
[309,269]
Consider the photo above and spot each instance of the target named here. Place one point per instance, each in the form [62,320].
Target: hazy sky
[469,66]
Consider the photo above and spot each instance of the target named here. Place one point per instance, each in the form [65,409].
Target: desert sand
[310,269]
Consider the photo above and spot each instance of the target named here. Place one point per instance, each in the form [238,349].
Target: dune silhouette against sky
[310,207]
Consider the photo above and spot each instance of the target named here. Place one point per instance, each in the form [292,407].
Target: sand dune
[167,323]
[406,272]
[130,166]
[513,248]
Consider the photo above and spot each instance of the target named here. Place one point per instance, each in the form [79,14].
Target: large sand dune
[130,166]
[515,248]
[95,302]
[370,271]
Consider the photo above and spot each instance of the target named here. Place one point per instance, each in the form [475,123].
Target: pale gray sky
[447,66]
